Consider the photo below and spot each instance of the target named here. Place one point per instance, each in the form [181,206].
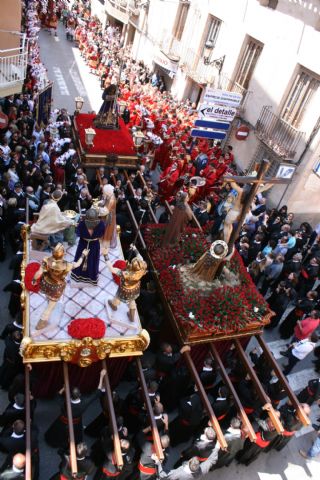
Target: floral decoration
[31,269]
[87,327]
[226,309]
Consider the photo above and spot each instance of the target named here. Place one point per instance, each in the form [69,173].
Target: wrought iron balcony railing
[277,134]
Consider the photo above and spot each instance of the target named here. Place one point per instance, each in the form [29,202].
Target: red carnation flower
[87,327]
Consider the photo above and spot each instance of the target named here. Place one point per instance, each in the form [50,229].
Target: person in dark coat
[311,393]
[14,411]
[101,421]
[208,374]
[303,307]
[221,403]
[265,433]
[167,359]
[280,299]
[84,464]
[189,419]
[109,468]
[14,305]
[13,440]
[12,360]
[16,471]
[235,441]
[11,327]
[57,434]
[201,448]
[291,423]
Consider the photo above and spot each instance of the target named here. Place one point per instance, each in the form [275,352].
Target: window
[300,94]
[213,27]
[181,19]
[249,58]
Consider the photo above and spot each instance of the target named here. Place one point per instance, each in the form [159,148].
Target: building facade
[264,49]
[13,49]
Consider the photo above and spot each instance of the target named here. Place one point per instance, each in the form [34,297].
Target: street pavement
[72,78]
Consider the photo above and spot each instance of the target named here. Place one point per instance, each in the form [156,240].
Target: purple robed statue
[90,231]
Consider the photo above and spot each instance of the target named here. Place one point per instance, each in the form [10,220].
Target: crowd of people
[283,261]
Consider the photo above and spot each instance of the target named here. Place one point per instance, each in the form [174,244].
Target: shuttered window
[303,88]
[248,62]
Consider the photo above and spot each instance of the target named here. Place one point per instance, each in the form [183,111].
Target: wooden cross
[256,182]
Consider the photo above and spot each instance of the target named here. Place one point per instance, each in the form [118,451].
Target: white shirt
[303,348]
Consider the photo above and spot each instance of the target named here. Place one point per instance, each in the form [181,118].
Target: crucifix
[236,214]
[245,203]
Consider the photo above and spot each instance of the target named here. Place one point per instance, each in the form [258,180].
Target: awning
[165,62]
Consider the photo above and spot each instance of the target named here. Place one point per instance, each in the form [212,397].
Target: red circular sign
[242,132]
[3,121]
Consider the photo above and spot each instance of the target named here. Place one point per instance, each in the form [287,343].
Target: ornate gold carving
[84,351]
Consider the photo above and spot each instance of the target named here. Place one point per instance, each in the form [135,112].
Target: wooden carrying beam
[112,418]
[295,402]
[154,429]
[143,185]
[245,420]
[141,179]
[28,475]
[136,226]
[213,419]
[259,388]
[129,183]
[73,453]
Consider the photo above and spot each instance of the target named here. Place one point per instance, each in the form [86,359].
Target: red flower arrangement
[31,269]
[226,309]
[87,327]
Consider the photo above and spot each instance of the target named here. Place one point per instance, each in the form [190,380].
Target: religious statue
[207,265]
[233,213]
[51,221]
[52,274]
[109,203]
[182,214]
[107,116]
[129,288]
[90,230]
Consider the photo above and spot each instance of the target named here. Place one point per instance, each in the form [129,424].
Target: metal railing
[277,134]
[118,9]
[13,66]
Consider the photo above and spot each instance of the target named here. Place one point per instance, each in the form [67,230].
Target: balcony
[122,10]
[118,9]
[13,66]
[278,135]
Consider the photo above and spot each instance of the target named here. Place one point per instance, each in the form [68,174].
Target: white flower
[194,235]
[191,316]
[255,309]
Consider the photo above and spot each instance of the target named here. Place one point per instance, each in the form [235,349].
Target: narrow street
[70,75]
[72,78]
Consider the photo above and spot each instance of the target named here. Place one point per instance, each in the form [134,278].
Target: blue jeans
[315,448]
[56,238]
